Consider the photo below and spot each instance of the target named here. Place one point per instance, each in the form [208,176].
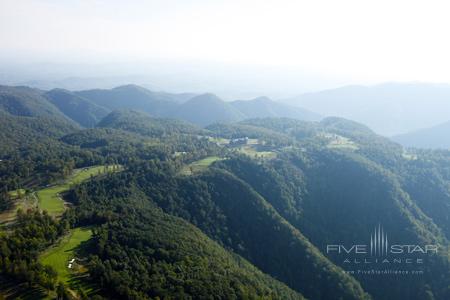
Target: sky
[361,41]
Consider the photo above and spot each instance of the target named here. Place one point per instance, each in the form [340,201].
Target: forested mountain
[240,209]
[19,132]
[28,102]
[264,107]
[206,109]
[87,108]
[81,110]
[389,109]
[142,123]
[434,137]
[133,97]
[142,249]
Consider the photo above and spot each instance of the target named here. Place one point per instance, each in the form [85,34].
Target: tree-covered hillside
[82,111]
[240,210]
[28,102]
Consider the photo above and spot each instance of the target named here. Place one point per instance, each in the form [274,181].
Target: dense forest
[232,210]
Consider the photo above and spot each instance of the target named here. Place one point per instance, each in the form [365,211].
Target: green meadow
[16,193]
[49,198]
[252,152]
[199,165]
[59,256]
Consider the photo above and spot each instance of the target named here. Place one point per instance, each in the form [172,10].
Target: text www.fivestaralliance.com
[384,272]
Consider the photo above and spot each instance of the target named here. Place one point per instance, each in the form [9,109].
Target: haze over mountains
[414,114]
[88,107]
[228,81]
[433,137]
[389,109]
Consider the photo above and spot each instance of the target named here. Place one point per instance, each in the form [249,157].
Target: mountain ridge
[389,108]
[88,107]
[435,137]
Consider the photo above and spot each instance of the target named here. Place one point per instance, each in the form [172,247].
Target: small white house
[72,260]
[70,266]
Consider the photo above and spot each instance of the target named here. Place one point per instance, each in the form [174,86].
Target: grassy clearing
[350,146]
[409,156]
[199,165]
[17,193]
[253,142]
[59,256]
[219,141]
[255,149]
[252,152]
[50,201]
[49,198]
[340,142]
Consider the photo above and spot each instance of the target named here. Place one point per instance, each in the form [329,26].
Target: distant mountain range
[206,109]
[389,109]
[433,137]
[87,108]
[263,107]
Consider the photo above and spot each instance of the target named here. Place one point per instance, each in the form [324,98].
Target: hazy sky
[378,40]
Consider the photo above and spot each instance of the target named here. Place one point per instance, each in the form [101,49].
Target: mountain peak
[263,107]
[262,99]
[206,97]
[131,87]
[206,109]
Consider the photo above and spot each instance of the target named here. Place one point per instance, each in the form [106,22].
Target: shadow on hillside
[12,289]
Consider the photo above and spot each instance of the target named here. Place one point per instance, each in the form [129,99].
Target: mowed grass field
[219,141]
[49,198]
[16,193]
[343,143]
[59,256]
[252,152]
[199,165]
